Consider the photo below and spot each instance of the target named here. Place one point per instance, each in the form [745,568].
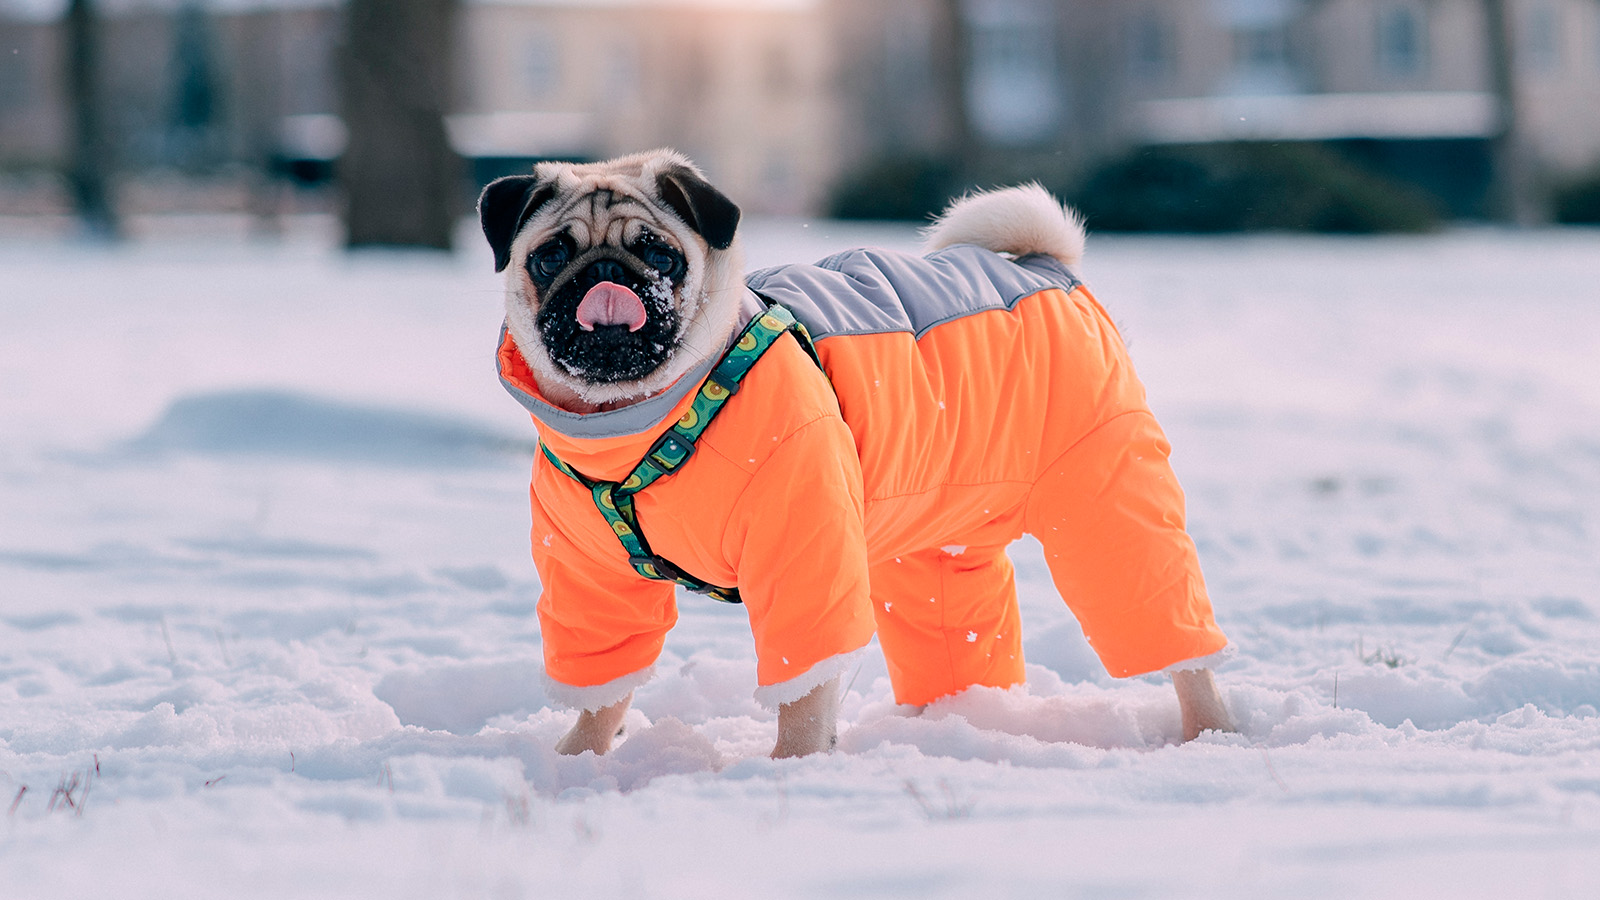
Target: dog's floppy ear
[503,208]
[702,207]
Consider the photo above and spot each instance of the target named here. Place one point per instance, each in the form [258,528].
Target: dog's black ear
[505,206]
[702,207]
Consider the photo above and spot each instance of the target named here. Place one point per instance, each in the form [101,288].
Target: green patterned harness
[614,499]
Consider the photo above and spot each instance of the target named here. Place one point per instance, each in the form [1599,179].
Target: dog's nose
[606,270]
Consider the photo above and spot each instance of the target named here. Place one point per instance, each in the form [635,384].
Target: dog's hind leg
[1110,515]
[948,620]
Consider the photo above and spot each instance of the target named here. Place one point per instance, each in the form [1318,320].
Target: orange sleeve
[798,542]
[600,620]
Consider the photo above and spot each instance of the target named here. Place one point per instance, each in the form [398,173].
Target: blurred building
[204,86]
[779,98]
[1405,85]
[203,97]
[744,87]
[188,84]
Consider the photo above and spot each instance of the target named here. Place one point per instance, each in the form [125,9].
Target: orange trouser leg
[1111,517]
[947,622]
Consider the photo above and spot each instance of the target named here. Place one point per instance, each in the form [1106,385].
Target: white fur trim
[1020,220]
[596,697]
[1210,661]
[773,696]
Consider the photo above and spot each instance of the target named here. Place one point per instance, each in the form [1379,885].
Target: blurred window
[907,40]
[779,70]
[307,71]
[697,75]
[622,70]
[1262,61]
[778,175]
[1402,41]
[1151,46]
[14,81]
[541,63]
[1013,90]
[1543,43]
[1260,48]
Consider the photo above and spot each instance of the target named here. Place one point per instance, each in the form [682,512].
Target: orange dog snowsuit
[968,399]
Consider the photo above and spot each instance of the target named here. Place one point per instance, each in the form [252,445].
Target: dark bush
[1578,202]
[1247,187]
[896,188]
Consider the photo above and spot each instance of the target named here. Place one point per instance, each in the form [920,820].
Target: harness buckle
[718,390]
[670,451]
[663,569]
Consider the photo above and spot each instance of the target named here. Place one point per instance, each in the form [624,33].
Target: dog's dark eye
[660,257]
[550,258]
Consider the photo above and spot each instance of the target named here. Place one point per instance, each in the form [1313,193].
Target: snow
[265,593]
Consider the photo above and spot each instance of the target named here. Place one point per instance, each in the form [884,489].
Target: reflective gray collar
[629,420]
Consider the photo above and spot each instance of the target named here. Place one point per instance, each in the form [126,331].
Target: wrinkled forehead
[596,205]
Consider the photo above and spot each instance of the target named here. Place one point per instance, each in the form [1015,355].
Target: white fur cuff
[773,696]
[1209,661]
[596,697]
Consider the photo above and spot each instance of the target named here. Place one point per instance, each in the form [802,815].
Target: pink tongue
[609,303]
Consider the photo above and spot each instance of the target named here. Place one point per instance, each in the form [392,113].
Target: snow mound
[462,698]
[293,425]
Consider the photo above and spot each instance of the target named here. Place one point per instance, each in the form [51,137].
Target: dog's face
[620,276]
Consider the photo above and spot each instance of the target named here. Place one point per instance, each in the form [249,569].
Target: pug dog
[651,228]
[847,448]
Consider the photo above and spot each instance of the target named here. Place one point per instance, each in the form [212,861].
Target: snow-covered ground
[266,607]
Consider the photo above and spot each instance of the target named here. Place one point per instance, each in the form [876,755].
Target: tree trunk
[401,179]
[952,49]
[90,164]
[193,135]
[1511,188]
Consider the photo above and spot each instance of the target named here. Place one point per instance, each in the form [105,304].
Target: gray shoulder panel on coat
[880,291]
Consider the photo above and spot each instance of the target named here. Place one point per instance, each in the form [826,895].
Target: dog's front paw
[1200,703]
[594,731]
[809,725]
[791,745]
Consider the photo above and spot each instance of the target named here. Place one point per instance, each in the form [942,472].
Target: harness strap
[614,499]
